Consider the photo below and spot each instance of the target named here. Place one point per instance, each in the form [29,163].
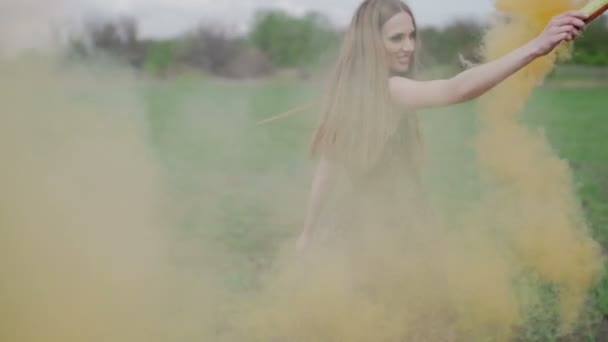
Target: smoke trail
[82,231]
[533,197]
[92,225]
[89,243]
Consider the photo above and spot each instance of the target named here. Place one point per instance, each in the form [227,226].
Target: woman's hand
[564,27]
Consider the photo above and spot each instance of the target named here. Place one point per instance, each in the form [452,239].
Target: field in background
[245,186]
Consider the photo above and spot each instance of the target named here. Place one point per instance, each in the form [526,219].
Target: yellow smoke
[533,195]
[87,251]
[81,236]
[87,229]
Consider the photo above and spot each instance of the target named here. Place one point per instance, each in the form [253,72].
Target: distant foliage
[293,41]
[592,47]
[222,53]
[279,40]
[445,46]
[159,56]
[117,37]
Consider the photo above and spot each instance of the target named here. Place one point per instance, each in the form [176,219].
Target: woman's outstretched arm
[476,81]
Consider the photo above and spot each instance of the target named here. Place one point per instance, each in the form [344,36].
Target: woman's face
[399,37]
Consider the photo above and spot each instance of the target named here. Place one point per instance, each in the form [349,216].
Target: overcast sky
[167,17]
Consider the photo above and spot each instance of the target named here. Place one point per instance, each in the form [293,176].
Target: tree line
[278,40]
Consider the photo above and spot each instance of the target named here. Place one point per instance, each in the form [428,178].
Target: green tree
[592,47]
[159,57]
[292,41]
[444,45]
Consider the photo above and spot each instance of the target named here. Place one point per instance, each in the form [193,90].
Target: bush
[221,53]
[443,46]
[291,41]
[159,56]
[591,47]
[247,63]
[117,38]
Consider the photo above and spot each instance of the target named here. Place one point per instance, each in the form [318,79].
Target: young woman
[367,137]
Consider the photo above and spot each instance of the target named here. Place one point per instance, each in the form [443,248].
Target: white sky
[167,17]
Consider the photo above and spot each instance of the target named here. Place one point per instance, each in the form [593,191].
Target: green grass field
[244,185]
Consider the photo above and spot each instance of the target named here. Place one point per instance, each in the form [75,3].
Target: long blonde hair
[357,115]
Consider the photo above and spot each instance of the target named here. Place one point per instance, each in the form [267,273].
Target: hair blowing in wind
[358,87]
